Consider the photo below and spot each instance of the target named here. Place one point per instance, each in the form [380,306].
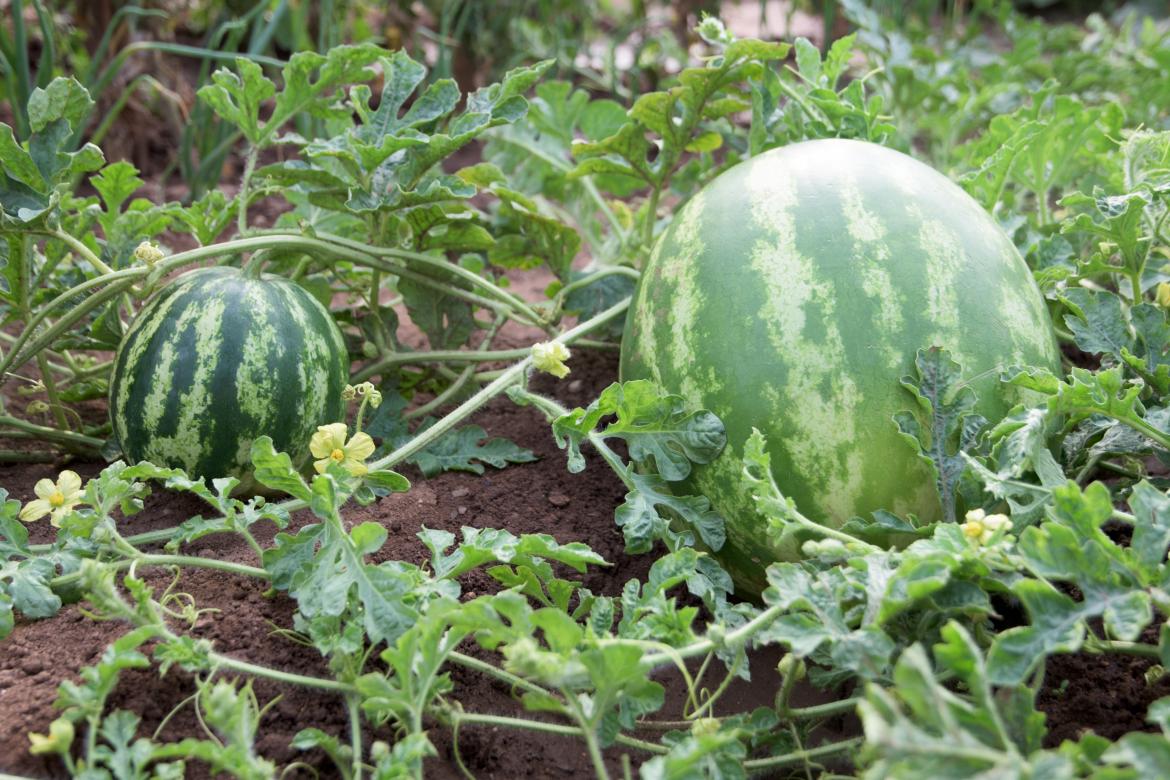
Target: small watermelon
[217,359]
[792,294]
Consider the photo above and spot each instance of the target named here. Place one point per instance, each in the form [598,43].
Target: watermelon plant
[896,326]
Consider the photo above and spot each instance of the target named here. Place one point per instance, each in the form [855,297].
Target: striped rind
[792,295]
[217,359]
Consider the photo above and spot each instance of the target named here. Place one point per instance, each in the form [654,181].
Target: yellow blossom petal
[1162,296]
[360,447]
[35,510]
[997,521]
[57,515]
[320,465]
[69,483]
[45,488]
[550,356]
[355,467]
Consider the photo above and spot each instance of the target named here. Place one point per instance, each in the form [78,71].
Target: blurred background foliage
[144,62]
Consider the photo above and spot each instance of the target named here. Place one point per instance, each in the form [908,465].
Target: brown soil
[1107,694]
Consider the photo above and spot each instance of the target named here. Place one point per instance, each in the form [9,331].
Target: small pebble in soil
[575,386]
[460,492]
[462,510]
[558,499]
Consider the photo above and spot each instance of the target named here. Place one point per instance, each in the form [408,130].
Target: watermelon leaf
[1071,547]
[926,731]
[642,523]
[951,428]
[657,428]
[275,470]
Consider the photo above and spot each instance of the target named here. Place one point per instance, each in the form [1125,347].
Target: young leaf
[952,426]
[642,523]
[657,427]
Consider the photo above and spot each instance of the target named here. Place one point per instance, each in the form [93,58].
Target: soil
[1107,694]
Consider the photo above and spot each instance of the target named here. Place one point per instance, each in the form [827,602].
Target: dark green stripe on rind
[216,360]
[793,293]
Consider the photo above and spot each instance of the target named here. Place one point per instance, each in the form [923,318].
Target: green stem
[170,560]
[452,389]
[242,197]
[443,266]
[799,100]
[651,217]
[709,704]
[51,434]
[495,671]
[585,281]
[50,384]
[79,248]
[590,736]
[800,756]
[438,356]
[1135,284]
[18,456]
[548,728]
[305,681]
[1122,647]
[785,693]
[731,639]
[505,380]
[824,710]
[352,702]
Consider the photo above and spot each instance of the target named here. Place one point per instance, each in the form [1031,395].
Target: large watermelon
[792,293]
[217,359]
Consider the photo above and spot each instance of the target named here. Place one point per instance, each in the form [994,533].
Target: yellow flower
[148,253]
[59,739]
[550,356]
[980,526]
[55,499]
[1163,295]
[329,443]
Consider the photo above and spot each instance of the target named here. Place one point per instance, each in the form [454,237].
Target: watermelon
[218,358]
[793,292]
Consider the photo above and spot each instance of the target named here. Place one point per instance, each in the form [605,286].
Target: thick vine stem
[169,560]
[801,756]
[1122,647]
[549,728]
[52,434]
[502,383]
